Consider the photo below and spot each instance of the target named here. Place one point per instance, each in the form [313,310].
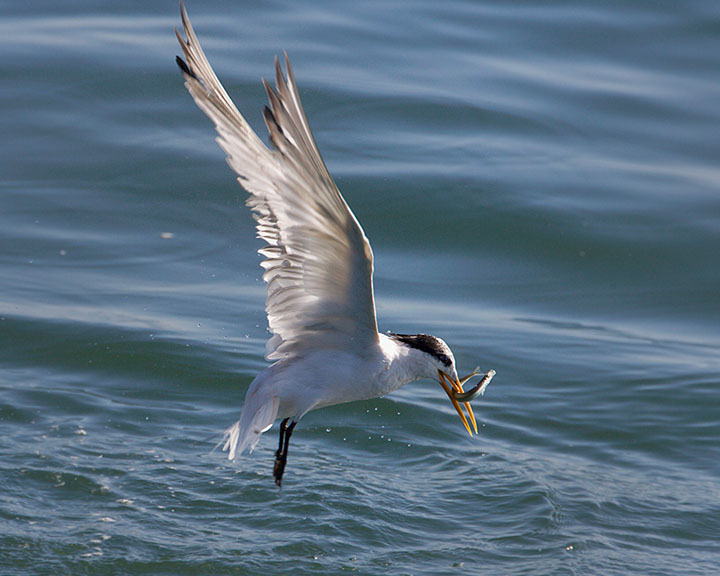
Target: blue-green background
[541,185]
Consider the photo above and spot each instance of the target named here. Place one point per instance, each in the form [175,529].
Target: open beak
[451,385]
[454,389]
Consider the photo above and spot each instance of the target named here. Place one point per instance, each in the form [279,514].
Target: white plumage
[318,266]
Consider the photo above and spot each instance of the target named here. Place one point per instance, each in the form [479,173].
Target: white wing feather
[318,263]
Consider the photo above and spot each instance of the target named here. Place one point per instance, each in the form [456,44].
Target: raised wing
[318,263]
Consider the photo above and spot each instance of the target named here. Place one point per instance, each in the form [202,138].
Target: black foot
[282,451]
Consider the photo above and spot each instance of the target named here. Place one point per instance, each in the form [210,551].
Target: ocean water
[541,186]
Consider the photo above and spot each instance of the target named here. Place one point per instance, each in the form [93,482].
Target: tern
[325,347]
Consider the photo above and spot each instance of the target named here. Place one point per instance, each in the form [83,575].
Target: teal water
[541,187]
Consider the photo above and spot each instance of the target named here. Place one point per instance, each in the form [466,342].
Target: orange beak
[451,385]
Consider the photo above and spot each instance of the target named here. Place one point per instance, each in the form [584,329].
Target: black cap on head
[428,344]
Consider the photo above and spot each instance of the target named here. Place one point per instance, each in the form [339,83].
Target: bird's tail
[257,417]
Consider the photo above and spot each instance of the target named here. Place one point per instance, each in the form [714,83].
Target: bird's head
[438,363]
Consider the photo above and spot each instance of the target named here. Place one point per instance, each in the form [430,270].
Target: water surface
[541,188]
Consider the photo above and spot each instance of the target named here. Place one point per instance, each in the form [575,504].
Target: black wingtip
[270,120]
[184,67]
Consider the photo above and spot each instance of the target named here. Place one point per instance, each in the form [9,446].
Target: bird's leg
[282,451]
[283,427]
[279,452]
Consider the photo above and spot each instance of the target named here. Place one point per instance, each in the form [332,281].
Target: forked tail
[257,417]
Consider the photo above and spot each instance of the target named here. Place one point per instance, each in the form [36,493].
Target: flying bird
[325,347]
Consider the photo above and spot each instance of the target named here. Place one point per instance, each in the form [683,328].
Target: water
[541,187]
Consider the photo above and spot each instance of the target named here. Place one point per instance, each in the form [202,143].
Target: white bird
[325,346]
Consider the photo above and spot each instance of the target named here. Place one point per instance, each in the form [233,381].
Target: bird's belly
[325,379]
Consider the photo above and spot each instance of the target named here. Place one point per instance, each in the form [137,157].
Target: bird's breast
[328,377]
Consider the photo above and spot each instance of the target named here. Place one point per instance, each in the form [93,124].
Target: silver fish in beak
[454,389]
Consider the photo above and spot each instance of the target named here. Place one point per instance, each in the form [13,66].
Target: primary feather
[318,263]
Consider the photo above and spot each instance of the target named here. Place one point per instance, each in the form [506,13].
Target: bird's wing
[318,263]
